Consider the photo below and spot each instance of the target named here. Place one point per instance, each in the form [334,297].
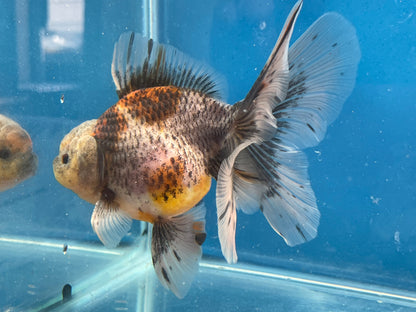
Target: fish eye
[65,158]
[4,153]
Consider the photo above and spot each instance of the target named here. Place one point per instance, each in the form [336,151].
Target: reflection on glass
[64,26]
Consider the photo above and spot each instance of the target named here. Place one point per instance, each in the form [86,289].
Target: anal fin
[176,249]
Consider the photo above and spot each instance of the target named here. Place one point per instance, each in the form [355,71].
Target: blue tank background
[362,173]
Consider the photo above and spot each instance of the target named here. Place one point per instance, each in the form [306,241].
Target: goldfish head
[17,160]
[77,167]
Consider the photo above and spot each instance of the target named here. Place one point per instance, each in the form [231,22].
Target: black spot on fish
[300,232]
[225,211]
[334,45]
[175,182]
[165,275]
[200,238]
[177,256]
[271,192]
[314,37]
[310,127]
[161,178]
[342,73]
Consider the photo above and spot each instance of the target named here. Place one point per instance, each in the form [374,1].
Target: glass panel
[55,63]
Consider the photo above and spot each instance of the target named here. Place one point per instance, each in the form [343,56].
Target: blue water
[362,173]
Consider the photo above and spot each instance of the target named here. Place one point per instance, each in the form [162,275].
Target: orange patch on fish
[152,104]
[172,192]
[111,124]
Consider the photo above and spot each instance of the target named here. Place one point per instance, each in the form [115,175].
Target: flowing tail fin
[271,174]
[253,115]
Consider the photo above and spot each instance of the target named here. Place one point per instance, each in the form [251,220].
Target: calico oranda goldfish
[153,154]
[18,162]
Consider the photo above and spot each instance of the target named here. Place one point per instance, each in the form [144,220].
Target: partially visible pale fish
[153,154]
[18,162]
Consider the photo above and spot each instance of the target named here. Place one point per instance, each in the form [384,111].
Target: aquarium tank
[55,63]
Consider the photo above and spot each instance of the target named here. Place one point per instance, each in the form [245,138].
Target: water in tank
[318,147]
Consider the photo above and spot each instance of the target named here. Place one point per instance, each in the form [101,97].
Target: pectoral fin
[109,222]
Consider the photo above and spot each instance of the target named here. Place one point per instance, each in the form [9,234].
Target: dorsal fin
[140,63]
